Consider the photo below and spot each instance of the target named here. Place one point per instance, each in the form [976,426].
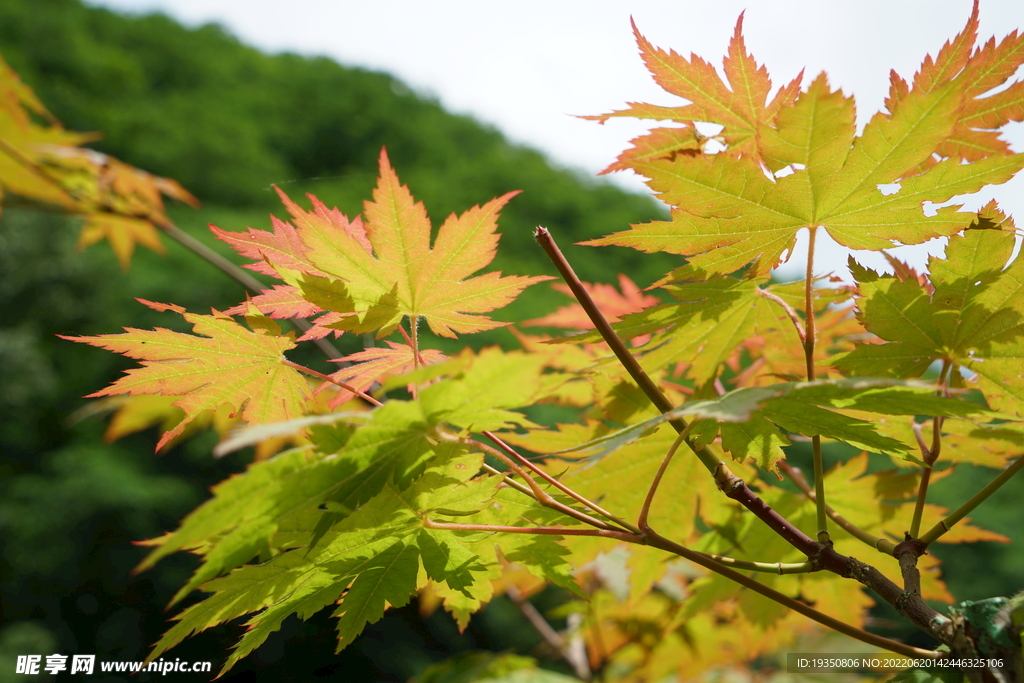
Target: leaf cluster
[415,476]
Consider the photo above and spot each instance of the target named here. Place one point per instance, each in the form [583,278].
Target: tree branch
[729,483]
[657,541]
[579,664]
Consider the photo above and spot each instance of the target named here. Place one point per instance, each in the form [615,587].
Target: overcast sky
[528,67]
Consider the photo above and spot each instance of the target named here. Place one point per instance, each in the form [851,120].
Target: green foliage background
[228,121]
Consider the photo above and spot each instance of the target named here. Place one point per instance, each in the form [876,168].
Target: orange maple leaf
[228,365]
[740,104]
[976,133]
[375,272]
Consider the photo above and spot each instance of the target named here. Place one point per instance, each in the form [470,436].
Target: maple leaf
[971,320]
[750,418]
[44,163]
[17,99]
[741,106]
[375,272]
[123,233]
[728,214]
[247,511]
[978,73]
[366,562]
[227,365]
[482,388]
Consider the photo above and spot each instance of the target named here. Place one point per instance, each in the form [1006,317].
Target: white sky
[527,67]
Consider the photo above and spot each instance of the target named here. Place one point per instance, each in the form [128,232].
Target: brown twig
[823,555]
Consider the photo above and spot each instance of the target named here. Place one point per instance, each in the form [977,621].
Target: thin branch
[790,311]
[729,483]
[627,536]
[764,567]
[950,520]
[882,545]
[930,459]
[559,485]
[770,567]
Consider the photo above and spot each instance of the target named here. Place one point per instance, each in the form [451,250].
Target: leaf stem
[559,485]
[542,496]
[413,342]
[950,520]
[508,479]
[794,317]
[882,545]
[810,337]
[930,457]
[627,536]
[327,378]
[646,509]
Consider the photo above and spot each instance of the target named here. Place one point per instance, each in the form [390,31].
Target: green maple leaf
[971,320]
[728,213]
[242,520]
[807,408]
[370,560]
[480,393]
